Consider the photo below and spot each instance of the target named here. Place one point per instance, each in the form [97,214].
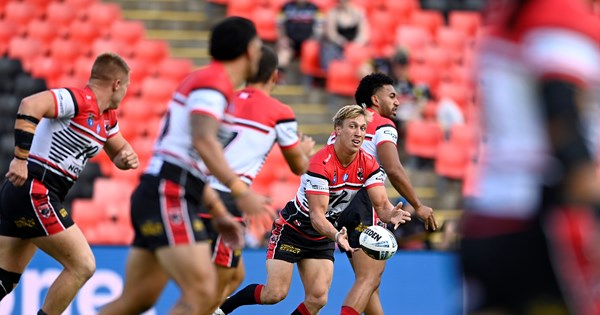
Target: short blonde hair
[109,66]
[349,112]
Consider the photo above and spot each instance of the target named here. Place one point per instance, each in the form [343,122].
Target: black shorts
[165,208]
[288,243]
[223,255]
[358,216]
[546,264]
[31,210]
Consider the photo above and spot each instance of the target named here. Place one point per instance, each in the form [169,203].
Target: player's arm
[317,203]
[390,162]
[384,208]
[121,153]
[31,110]
[561,104]
[298,156]
[231,231]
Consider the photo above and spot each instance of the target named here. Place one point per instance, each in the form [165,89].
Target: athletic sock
[249,295]
[301,310]
[347,310]
[41,312]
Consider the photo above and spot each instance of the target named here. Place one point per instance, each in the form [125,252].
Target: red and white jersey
[259,121]
[63,144]
[208,91]
[327,176]
[379,130]
[550,38]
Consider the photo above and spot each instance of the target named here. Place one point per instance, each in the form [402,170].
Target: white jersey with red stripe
[550,38]
[259,122]
[208,91]
[327,176]
[379,130]
[63,144]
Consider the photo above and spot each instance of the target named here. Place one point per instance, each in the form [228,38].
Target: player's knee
[85,269]
[316,300]
[8,280]
[274,295]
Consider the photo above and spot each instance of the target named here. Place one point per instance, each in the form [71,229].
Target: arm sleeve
[286,129]
[207,102]
[65,103]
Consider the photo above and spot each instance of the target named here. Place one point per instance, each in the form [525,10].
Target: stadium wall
[415,283]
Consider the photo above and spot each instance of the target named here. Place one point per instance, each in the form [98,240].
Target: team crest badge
[334,177]
[345,177]
[98,128]
[90,120]
[360,174]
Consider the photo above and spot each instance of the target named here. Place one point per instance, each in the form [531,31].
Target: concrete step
[180,5]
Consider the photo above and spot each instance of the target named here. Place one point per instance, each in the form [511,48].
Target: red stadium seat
[175,69]
[402,9]
[139,71]
[46,68]
[356,54]
[265,19]
[42,31]
[324,5]
[25,49]
[413,38]
[427,19]
[86,213]
[64,51]
[310,59]
[20,14]
[422,74]
[437,58]
[451,160]
[463,136]
[152,52]
[102,15]
[423,138]
[127,32]
[102,45]
[8,30]
[466,22]
[80,6]
[452,41]
[457,92]
[83,66]
[157,92]
[381,42]
[83,33]
[342,78]
[241,8]
[60,15]
[137,109]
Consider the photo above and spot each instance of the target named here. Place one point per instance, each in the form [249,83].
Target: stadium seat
[143,148]
[430,111]
[324,5]
[113,233]
[451,160]
[45,67]
[174,69]
[413,38]
[20,14]
[427,19]
[8,30]
[109,190]
[402,9]
[241,8]
[25,49]
[465,21]
[136,108]
[83,66]
[437,58]
[381,42]
[342,78]
[60,15]
[43,31]
[127,32]
[152,52]
[457,92]
[452,41]
[80,6]
[463,136]
[423,138]
[310,59]
[423,74]
[83,33]
[86,213]
[265,19]
[65,51]
[356,54]
[102,45]
[157,92]
[102,15]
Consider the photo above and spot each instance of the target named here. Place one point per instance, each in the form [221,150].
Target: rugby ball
[378,242]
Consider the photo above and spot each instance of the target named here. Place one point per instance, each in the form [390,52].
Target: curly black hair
[369,86]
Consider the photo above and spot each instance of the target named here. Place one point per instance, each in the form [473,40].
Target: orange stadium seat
[64,51]
[451,160]
[413,38]
[310,59]
[152,52]
[437,58]
[457,92]
[423,138]
[83,33]
[241,8]
[156,92]
[402,9]
[465,21]
[102,45]
[452,41]
[46,68]
[20,13]
[127,32]
[8,30]
[423,74]
[356,54]
[102,15]
[342,78]
[428,19]
[265,19]
[60,15]
[174,69]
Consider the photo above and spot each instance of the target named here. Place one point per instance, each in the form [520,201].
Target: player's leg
[238,278]
[316,275]
[368,273]
[72,251]
[15,254]
[194,273]
[144,282]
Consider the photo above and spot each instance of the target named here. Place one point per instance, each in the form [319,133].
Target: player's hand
[252,203]
[17,172]
[425,213]
[129,159]
[232,232]
[341,238]
[399,216]
[307,144]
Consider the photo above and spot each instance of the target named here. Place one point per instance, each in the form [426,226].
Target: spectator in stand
[413,97]
[449,114]
[298,21]
[344,24]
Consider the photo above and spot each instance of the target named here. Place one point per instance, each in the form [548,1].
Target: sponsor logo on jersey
[327,159]
[198,225]
[63,212]
[23,222]
[150,228]
[289,248]
[345,177]
[98,129]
